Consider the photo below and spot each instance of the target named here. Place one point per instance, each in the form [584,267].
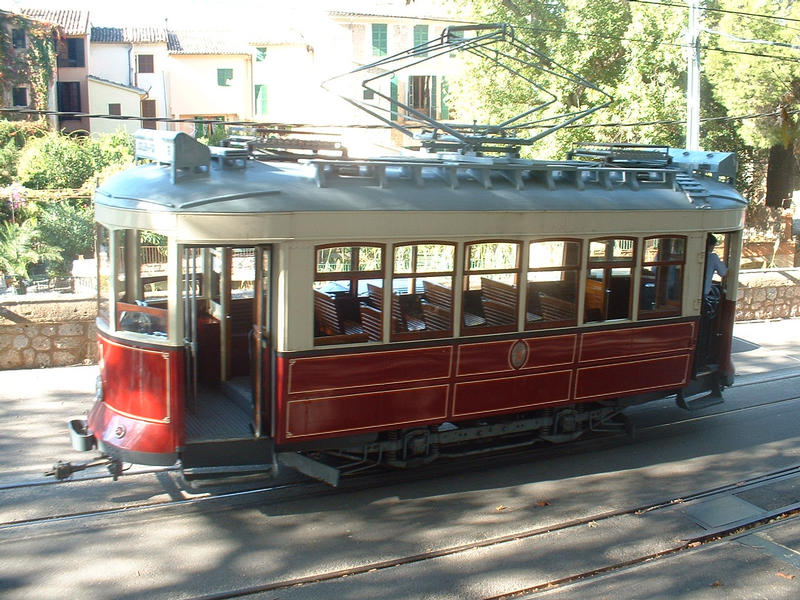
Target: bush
[70,225]
[9,155]
[55,161]
[20,132]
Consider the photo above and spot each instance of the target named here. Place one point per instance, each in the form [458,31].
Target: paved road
[185,552]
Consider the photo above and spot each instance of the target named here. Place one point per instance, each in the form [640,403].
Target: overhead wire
[718,10]
[299,128]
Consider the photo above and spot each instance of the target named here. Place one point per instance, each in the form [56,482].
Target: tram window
[422,291]
[141,288]
[609,281]
[152,268]
[553,283]
[348,291]
[662,277]
[491,293]
[243,268]
[103,254]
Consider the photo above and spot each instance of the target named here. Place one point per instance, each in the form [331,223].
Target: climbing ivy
[35,64]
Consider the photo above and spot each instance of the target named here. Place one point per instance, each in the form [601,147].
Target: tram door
[227,329]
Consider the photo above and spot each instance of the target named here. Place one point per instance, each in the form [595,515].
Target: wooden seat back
[438,294]
[371,322]
[595,300]
[325,313]
[556,309]
[499,302]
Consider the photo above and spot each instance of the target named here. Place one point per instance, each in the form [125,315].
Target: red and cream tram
[341,312]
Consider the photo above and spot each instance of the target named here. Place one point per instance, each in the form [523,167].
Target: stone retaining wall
[768,294]
[47,333]
[61,331]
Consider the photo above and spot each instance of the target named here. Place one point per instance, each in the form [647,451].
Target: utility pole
[693,79]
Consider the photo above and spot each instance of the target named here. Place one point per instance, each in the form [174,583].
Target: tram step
[213,476]
[228,453]
[702,392]
[698,402]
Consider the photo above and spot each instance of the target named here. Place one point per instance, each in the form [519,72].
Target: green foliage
[69,224]
[636,53]
[217,133]
[20,131]
[58,161]
[55,161]
[21,246]
[747,84]
[9,154]
[37,64]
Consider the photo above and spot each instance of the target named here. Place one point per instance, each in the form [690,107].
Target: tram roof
[410,185]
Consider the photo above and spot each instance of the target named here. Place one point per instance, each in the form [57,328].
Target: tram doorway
[226,294]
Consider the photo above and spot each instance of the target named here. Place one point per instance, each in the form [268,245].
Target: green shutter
[434,97]
[379,39]
[445,108]
[261,98]
[393,96]
[420,35]
[224,77]
[261,54]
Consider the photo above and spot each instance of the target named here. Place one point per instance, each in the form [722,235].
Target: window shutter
[379,39]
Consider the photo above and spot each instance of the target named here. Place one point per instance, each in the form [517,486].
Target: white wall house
[109,97]
[210,77]
[135,57]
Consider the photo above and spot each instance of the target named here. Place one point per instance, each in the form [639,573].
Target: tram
[393,310]
[333,314]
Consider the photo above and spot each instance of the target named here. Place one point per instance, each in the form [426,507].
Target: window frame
[469,330]
[72,53]
[577,269]
[71,91]
[675,310]
[19,38]
[149,66]
[607,266]
[396,336]
[353,277]
[16,92]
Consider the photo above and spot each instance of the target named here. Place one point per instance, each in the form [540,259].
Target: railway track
[367,480]
[690,544]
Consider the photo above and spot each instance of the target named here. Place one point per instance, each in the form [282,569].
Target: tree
[69,224]
[61,161]
[633,51]
[757,71]
[20,247]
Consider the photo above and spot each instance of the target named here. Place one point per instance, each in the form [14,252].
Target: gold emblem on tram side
[519,354]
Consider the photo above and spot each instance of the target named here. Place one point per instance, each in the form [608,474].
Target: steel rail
[707,537]
[359,482]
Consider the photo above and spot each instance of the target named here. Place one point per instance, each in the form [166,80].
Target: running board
[692,398]
[697,402]
[309,466]
[210,476]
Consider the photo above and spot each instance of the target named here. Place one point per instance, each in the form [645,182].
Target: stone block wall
[768,294]
[47,333]
[60,331]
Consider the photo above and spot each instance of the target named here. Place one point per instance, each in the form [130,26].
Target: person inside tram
[714,264]
[711,298]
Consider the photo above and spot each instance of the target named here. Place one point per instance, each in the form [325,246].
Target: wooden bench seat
[330,324]
[499,302]
[556,309]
